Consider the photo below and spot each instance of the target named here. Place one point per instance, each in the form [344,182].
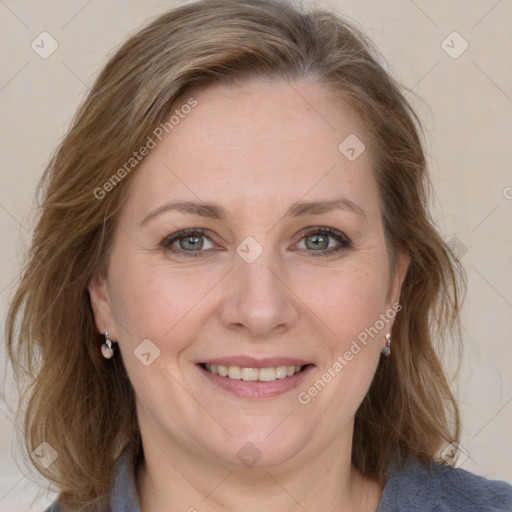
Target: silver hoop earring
[386,349]
[107,349]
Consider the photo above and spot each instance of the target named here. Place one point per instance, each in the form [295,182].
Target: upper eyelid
[326,230]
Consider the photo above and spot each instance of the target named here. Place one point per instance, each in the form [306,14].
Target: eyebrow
[217,212]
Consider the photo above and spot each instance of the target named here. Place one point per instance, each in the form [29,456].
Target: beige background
[465,103]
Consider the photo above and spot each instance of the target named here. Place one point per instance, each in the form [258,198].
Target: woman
[234,285]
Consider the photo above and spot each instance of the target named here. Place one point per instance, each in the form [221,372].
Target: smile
[250,382]
[269,374]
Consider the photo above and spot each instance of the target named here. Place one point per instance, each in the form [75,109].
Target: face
[262,279]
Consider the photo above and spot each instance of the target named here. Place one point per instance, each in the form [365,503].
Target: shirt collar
[124,491]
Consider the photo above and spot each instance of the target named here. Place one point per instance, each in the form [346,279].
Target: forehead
[263,142]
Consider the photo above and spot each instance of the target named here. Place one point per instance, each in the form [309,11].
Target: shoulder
[436,488]
[53,508]
[123,496]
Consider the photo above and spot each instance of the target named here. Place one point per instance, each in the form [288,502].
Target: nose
[259,303]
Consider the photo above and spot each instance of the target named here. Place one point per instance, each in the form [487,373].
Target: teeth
[251,374]
[267,374]
[235,372]
[281,372]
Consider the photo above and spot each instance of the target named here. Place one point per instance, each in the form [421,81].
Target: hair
[82,404]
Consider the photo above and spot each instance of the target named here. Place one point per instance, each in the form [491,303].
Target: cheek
[349,304]
[350,299]
[151,302]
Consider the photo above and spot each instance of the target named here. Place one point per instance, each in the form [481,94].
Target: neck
[180,480]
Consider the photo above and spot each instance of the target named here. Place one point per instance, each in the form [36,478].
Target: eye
[188,241]
[192,241]
[318,239]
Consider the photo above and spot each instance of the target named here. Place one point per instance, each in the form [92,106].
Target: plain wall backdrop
[463,96]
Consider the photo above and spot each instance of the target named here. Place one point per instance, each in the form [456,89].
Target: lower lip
[255,388]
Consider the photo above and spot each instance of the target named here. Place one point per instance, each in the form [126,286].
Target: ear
[101,306]
[397,278]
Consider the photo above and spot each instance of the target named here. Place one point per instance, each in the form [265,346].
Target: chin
[260,447]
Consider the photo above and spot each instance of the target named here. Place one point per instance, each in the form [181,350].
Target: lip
[251,362]
[257,389]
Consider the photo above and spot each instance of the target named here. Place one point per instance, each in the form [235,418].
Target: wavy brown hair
[82,404]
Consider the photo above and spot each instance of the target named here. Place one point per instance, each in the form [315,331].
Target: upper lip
[251,362]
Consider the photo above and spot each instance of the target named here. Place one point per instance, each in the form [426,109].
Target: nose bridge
[258,298]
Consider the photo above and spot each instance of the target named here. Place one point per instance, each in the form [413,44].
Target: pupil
[194,243]
[318,240]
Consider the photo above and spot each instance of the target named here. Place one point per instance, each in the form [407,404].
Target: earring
[107,348]
[386,349]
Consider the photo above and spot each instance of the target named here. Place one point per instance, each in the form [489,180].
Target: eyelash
[345,243]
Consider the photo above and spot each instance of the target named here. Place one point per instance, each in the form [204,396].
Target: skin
[255,149]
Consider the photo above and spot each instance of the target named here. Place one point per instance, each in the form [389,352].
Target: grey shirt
[408,489]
